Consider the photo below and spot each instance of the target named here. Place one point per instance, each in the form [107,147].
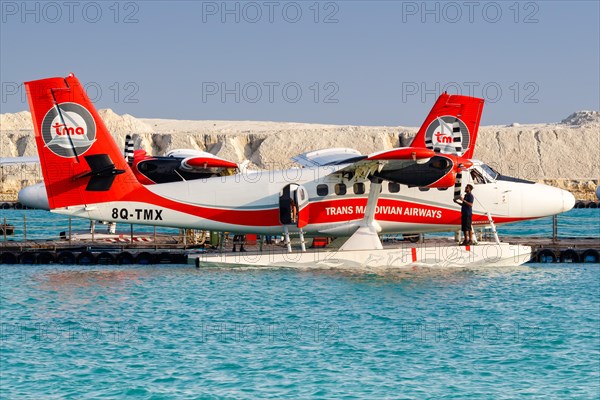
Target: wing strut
[366,236]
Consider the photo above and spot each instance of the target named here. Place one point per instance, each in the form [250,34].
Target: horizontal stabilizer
[102,173]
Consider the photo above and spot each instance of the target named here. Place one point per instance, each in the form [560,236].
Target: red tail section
[451,126]
[81,162]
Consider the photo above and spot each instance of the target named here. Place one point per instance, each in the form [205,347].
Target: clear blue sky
[373,62]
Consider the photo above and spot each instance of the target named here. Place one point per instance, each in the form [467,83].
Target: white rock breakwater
[565,154]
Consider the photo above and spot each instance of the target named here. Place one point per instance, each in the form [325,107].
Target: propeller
[128,152]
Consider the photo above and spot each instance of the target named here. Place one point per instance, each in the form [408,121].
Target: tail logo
[73,133]
[448,135]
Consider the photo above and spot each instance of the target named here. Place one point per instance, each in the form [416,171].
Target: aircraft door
[285,206]
[495,196]
[293,202]
[302,202]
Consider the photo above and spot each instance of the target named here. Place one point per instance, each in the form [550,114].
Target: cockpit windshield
[489,171]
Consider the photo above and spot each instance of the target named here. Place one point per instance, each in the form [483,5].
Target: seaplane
[338,193]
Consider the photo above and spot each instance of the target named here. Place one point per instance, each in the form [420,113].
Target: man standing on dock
[466,211]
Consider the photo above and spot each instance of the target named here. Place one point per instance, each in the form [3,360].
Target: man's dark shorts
[466,222]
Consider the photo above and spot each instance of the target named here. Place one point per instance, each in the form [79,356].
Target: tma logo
[72,131]
[448,135]
[442,138]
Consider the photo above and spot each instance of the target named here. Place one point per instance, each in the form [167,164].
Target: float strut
[302,244]
[493,228]
[287,238]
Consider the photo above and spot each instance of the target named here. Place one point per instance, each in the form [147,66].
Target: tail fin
[80,161]
[451,126]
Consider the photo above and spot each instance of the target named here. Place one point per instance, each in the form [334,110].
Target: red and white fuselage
[249,202]
[336,192]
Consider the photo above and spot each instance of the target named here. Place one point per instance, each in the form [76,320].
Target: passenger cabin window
[359,188]
[393,187]
[322,190]
[424,189]
[340,189]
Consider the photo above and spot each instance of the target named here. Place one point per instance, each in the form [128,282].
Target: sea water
[164,332]
[161,332]
[40,225]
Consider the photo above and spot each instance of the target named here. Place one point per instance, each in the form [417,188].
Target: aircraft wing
[196,159]
[191,163]
[412,166]
[334,156]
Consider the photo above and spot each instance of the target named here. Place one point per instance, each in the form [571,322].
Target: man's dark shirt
[465,208]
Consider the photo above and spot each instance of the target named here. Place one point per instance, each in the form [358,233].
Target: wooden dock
[561,249]
[167,249]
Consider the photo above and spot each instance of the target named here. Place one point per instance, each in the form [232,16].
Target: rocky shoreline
[564,154]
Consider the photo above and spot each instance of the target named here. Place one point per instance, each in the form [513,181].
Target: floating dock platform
[570,250]
[165,250]
[169,250]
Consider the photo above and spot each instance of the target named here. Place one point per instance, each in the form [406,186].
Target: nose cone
[568,201]
[543,201]
[34,196]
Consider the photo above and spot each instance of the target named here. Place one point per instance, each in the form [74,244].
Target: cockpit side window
[477,177]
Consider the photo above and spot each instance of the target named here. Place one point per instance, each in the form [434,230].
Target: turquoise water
[576,223]
[164,332]
[159,332]
[45,225]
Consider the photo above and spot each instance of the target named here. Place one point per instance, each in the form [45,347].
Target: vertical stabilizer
[80,160]
[451,126]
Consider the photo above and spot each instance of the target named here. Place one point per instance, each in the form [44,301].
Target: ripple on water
[161,332]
